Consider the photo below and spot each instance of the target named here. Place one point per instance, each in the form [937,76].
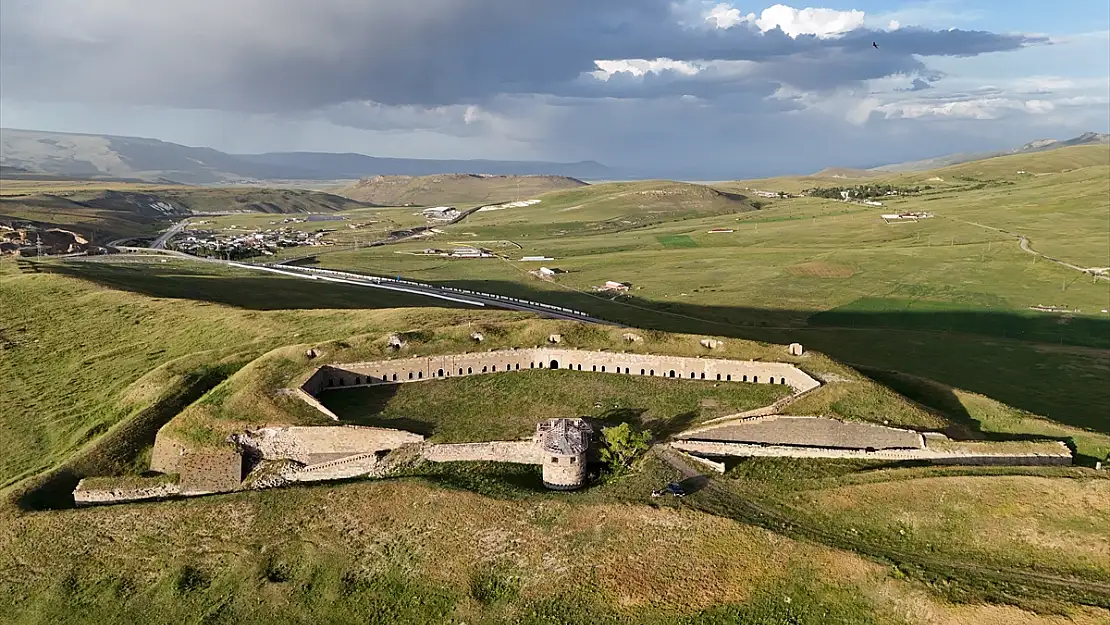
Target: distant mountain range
[104,156]
[1040,145]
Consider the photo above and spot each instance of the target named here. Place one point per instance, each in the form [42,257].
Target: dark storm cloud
[290,55]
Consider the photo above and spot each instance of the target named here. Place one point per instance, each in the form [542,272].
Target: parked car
[674,488]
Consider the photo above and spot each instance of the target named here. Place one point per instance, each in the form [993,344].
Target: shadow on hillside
[964,425]
[1047,364]
[661,428]
[242,290]
[365,405]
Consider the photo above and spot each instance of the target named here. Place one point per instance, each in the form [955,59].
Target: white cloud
[639,67]
[824,23]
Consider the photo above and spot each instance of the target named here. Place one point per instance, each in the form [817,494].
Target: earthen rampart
[421,368]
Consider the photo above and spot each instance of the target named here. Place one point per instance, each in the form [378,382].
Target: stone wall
[563,472]
[420,368]
[210,471]
[1050,456]
[519,452]
[167,453]
[306,444]
[83,496]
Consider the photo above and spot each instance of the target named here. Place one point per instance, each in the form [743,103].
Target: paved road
[160,242]
[401,285]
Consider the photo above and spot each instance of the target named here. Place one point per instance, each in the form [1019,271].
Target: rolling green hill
[835,274]
[449,189]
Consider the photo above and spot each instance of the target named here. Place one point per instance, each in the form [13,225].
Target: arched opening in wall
[755,378]
[626,370]
[718,377]
[579,367]
[331,382]
[440,373]
[460,371]
[782,380]
[603,368]
[672,373]
[517,366]
[358,380]
[531,365]
[593,368]
[745,378]
[728,378]
[703,375]
[342,382]
[410,375]
[651,372]
[394,377]
[554,364]
[494,368]
[691,375]
[419,375]
[485,369]
[469,370]
[641,372]
[508,367]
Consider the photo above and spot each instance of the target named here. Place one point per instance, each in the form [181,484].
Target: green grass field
[836,276]
[507,406]
[93,355]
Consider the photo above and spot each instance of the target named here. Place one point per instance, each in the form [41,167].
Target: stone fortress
[275,456]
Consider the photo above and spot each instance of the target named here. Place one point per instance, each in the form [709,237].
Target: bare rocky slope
[454,189]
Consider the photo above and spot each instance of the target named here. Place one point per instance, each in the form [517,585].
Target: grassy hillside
[105,211]
[486,543]
[78,358]
[450,189]
[946,298]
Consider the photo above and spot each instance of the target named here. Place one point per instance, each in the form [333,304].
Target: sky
[690,88]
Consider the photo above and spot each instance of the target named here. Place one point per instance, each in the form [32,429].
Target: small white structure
[795,349]
[535,258]
[711,343]
[440,212]
[555,338]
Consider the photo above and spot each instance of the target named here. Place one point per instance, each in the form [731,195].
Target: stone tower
[563,443]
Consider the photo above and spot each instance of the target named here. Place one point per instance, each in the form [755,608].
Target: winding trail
[1023,243]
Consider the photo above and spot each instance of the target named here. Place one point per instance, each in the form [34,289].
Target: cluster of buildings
[259,243]
[459,252]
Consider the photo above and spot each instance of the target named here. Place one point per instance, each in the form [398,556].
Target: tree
[622,446]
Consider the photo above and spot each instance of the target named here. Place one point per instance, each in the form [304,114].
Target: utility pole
[38,244]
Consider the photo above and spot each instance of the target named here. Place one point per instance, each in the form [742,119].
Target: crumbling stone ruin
[711,343]
[396,342]
[629,337]
[795,349]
